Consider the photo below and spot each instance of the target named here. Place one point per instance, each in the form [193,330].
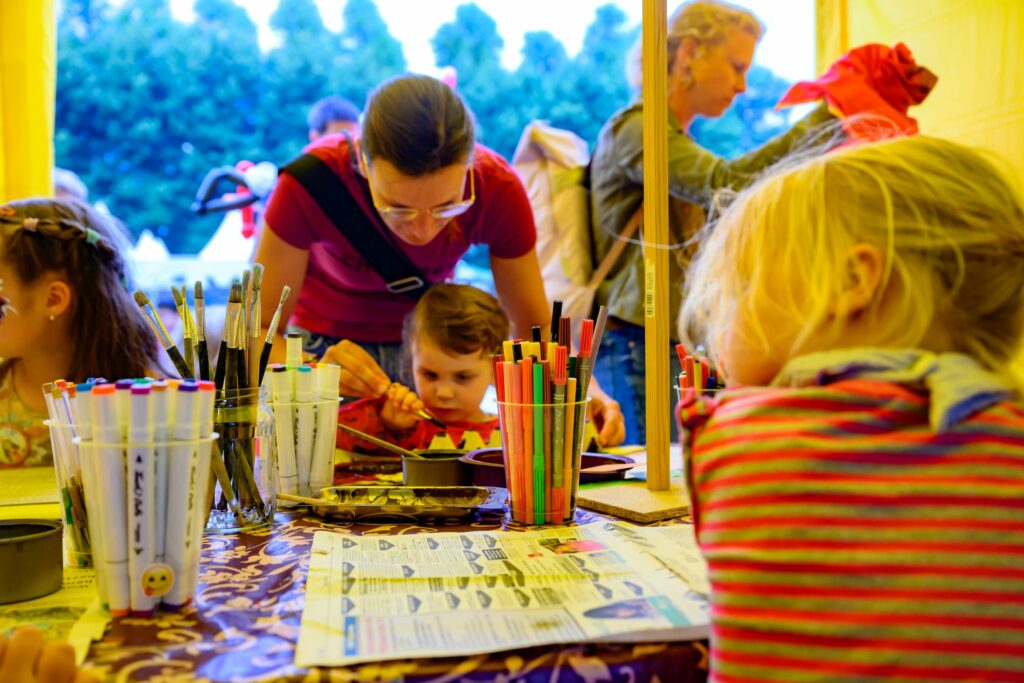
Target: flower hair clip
[92,237]
[31,224]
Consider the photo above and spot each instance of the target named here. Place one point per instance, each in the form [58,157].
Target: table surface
[244,625]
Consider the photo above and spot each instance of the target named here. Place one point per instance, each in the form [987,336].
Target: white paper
[374,598]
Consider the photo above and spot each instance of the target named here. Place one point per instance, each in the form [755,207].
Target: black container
[436,468]
[30,559]
[487,467]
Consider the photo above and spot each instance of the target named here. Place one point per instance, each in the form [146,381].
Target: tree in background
[147,105]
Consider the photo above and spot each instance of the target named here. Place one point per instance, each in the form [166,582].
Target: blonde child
[861,502]
[66,314]
[450,337]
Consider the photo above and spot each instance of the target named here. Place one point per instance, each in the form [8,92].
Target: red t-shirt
[341,295]
[364,415]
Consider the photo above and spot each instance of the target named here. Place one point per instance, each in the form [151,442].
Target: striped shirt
[849,539]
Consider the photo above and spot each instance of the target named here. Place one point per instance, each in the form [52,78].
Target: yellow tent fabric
[976,47]
[28,86]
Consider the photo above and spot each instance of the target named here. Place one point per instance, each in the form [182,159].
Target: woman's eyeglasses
[438,213]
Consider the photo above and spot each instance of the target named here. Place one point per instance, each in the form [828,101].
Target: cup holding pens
[243,486]
[70,488]
[542,444]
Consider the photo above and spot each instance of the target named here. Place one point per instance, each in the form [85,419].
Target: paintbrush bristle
[284,294]
[235,296]
[257,276]
[177,296]
[199,289]
[140,298]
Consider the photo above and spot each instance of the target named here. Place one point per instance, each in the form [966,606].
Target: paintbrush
[431,419]
[268,343]
[246,303]
[255,326]
[181,303]
[380,442]
[150,313]
[230,318]
[201,351]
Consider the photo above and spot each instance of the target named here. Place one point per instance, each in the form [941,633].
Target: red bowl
[488,466]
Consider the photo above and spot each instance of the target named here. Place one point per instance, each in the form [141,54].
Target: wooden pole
[656,312]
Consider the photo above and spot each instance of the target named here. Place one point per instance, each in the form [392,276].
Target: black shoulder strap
[401,275]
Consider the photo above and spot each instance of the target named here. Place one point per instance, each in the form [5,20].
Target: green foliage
[147,105]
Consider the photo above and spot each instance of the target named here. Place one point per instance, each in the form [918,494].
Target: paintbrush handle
[380,442]
[221,358]
[264,359]
[179,363]
[204,360]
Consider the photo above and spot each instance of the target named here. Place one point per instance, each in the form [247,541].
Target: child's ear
[58,298]
[865,264]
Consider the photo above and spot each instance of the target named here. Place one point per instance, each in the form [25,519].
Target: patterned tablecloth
[244,626]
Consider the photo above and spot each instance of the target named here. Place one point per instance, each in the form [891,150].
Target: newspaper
[376,598]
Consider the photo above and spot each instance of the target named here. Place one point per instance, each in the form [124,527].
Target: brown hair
[459,319]
[418,124]
[110,335]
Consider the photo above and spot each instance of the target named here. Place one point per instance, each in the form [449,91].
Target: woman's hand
[360,374]
[400,406]
[607,416]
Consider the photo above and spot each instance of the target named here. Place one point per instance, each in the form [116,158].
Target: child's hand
[24,659]
[400,406]
[360,374]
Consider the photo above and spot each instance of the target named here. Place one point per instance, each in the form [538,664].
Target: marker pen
[109,465]
[284,428]
[293,350]
[321,472]
[181,493]
[567,456]
[204,482]
[304,426]
[538,443]
[140,493]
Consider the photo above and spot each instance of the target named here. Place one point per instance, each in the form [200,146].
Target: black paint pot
[435,468]
[30,559]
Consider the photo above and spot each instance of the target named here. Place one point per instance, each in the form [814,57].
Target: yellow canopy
[975,48]
[28,84]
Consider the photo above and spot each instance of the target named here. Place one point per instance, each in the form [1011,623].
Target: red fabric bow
[876,80]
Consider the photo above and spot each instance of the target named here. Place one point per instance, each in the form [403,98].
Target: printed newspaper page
[374,598]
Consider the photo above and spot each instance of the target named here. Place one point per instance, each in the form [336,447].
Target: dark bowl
[30,559]
[488,467]
[436,468]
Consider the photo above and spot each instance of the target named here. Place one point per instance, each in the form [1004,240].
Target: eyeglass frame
[388,212]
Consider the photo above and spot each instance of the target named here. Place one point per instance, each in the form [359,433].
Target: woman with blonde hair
[858,496]
[710,48]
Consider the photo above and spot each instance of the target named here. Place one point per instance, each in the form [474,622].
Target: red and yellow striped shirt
[848,540]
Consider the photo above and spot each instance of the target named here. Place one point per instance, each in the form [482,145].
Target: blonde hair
[948,222]
[707,22]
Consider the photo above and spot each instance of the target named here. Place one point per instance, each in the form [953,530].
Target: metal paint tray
[408,503]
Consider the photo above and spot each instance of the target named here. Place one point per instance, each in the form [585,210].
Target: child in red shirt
[450,337]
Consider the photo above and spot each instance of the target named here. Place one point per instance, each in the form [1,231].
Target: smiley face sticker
[157,580]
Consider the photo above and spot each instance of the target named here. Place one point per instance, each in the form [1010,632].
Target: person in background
[710,46]
[65,313]
[420,181]
[450,337]
[67,185]
[24,658]
[332,114]
[857,488]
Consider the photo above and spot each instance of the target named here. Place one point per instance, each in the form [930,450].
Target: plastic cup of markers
[682,393]
[146,520]
[243,487]
[541,444]
[71,491]
[305,458]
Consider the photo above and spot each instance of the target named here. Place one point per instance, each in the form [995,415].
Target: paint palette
[413,504]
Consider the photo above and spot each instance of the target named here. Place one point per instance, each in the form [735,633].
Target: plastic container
[542,444]
[77,550]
